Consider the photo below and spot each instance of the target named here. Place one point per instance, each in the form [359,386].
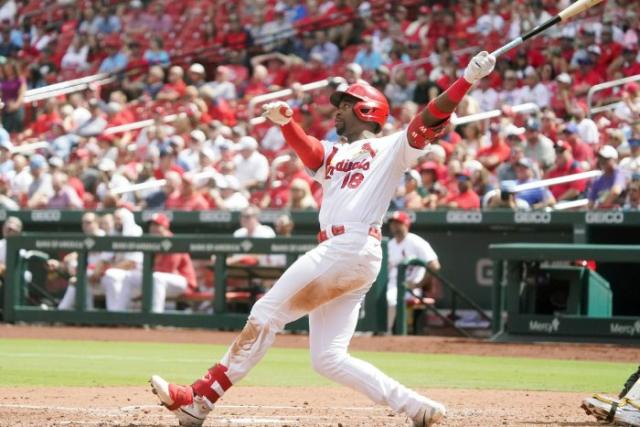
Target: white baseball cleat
[190,409]
[625,412]
[430,414]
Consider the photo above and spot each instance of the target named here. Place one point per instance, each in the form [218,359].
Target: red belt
[337,230]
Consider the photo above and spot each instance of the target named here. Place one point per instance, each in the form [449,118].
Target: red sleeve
[308,148]
[186,270]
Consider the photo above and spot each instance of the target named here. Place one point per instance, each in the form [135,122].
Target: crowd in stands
[193,67]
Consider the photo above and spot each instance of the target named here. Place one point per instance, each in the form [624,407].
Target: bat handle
[507,47]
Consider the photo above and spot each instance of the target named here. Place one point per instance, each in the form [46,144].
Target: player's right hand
[278,112]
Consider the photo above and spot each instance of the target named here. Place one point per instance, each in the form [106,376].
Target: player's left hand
[480,66]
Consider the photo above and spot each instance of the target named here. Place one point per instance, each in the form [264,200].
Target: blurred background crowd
[177,127]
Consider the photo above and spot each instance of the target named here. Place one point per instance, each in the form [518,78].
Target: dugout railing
[17,309]
[555,292]
[448,319]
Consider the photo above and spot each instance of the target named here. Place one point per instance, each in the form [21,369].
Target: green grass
[96,363]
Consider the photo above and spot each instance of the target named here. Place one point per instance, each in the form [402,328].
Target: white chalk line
[132,408]
[103,357]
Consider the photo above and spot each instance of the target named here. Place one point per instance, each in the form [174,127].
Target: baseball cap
[513,130]
[355,69]
[595,49]
[530,71]
[160,219]
[56,162]
[37,161]
[413,174]
[197,68]
[564,78]
[315,56]
[532,124]
[428,166]
[472,165]
[107,165]
[525,162]
[570,128]
[247,143]
[437,150]
[198,135]
[608,152]
[401,217]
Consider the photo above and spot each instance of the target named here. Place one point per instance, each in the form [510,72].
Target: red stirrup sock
[214,383]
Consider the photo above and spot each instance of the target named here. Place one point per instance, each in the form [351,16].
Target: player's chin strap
[615,404]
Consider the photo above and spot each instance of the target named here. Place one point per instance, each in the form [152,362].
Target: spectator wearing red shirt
[466,198]
[44,121]
[610,49]
[565,165]
[188,199]
[167,163]
[173,273]
[175,87]
[497,152]
[587,75]
[237,37]
[581,151]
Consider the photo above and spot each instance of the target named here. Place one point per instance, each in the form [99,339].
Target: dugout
[549,292]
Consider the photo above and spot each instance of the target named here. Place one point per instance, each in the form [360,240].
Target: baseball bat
[574,9]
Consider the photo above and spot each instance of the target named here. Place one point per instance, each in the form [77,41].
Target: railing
[603,86]
[570,204]
[158,183]
[456,293]
[547,183]
[66,87]
[284,93]
[525,108]
[421,61]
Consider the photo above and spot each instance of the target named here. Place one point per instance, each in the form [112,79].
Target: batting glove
[480,66]
[278,112]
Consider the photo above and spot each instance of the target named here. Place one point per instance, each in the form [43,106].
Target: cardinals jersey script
[359,179]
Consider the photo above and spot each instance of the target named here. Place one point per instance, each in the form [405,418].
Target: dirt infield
[299,406]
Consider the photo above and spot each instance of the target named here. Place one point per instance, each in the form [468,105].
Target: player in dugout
[359,176]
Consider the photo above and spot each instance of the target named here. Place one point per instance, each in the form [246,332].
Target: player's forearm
[308,148]
[440,108]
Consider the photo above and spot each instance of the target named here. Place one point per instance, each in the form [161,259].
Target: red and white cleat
[430,414]
[190,409]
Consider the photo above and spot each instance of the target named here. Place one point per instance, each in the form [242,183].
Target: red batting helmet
[372,105]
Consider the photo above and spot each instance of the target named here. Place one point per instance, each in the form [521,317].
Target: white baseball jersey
[412,246]
[359,179]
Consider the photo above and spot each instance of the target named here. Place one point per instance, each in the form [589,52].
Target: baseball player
[359,176]
[625,410]
[405,245]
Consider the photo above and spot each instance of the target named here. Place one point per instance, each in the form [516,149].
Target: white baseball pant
[122,286]
[329,283]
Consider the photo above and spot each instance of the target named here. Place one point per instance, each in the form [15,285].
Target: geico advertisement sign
[464,217]
[532,217]
[604,217]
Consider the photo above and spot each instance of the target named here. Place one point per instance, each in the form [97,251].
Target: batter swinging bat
[576,8]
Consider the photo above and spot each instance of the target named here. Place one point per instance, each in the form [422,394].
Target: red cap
[631,87]
[428,166]
[160,219]
[401,217]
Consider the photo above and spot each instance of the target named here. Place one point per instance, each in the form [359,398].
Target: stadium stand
[157,92]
